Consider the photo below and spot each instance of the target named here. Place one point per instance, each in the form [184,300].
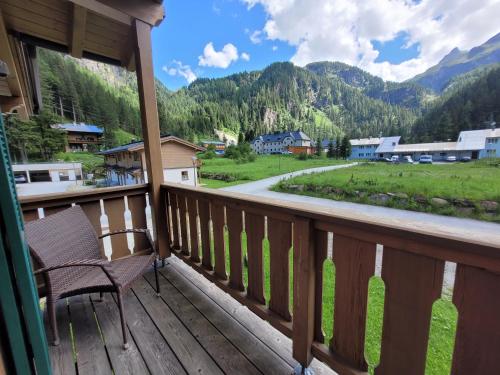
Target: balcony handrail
[422,238]
[31,202]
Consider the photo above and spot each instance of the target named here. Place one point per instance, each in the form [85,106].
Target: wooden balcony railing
[205,230]
[412,270]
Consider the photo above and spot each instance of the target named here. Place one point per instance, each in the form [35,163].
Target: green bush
[303,156]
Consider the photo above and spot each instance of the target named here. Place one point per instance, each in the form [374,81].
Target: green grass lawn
[472,182]
[122,137]
[264,166]
[90,162]
[443,324]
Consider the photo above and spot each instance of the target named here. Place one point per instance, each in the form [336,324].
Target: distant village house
[220,147]
[296,142]
[81,137]
[473,144]
[126,164]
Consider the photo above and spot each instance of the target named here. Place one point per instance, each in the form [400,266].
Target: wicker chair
[67,248]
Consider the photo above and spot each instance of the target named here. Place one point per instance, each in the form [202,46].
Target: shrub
[303,156]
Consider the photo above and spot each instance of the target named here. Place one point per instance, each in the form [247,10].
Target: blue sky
[394,39]
[190,25]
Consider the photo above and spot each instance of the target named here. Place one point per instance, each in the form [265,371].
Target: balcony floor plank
[193,328]
[228,357]
[266,360]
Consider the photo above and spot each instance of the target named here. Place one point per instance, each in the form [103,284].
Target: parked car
[286,153]
[425,159]
[394,159]
[451,159]
[385,160]
[465,159]
[407,160]
[20,179]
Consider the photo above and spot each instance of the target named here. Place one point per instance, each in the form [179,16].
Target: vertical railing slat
[280,241]
[217,211]
[412,284]
[55,209]
[115,210]
[354,265]
[193,228]
[320,252]
[174,211]
[204,212]
[181,201]
[30,215]
[137,207]
[303,290]
[476,297]
[235,228]
[254,226]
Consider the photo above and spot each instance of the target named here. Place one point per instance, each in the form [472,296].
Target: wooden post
[303,292]
[151,131]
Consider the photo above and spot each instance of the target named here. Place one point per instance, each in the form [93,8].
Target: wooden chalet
[193,327]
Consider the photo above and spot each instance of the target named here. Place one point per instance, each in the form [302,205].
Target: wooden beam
[77,32]
[148,11]
[151,131]
[104,10]
[17,98]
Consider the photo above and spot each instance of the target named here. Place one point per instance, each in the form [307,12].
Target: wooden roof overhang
[100,30]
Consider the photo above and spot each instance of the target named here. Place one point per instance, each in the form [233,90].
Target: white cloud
[245,56]
[179,69]
[256,37]
[218,59]
[342,30]
[274,48]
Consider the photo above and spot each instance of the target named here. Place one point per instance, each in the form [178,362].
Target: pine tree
[345,148]
[331,149]
[318,147]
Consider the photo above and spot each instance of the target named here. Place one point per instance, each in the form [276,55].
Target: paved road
[445,223]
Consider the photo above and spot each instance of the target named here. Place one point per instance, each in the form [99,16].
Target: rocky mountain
[458,62]
[471,101]
[406,94]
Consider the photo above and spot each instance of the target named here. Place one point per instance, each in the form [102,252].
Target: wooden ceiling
[99,30]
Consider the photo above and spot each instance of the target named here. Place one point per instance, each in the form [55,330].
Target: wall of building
[176,175]
[363,152]
[176,155]
[492,149]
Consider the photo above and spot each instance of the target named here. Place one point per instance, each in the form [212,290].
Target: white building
[279,142]
[44,178]
[474,144]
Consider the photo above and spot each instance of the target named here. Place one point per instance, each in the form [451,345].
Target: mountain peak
[451,56]
[493,40]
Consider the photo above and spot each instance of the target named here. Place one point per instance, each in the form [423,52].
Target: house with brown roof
[125,164]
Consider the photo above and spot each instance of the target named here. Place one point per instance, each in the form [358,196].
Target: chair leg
[156,279]
[101,296]
[122,319]
[51,309]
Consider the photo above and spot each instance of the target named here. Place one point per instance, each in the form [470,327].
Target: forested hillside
[474,100]
[281,97]
[406,94]
[324,99]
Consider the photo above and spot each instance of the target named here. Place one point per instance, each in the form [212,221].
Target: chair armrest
[102,264]
[143,231]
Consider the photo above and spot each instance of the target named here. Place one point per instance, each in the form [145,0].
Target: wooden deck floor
[194,328]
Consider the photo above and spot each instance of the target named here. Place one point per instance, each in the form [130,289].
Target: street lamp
[194,158]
